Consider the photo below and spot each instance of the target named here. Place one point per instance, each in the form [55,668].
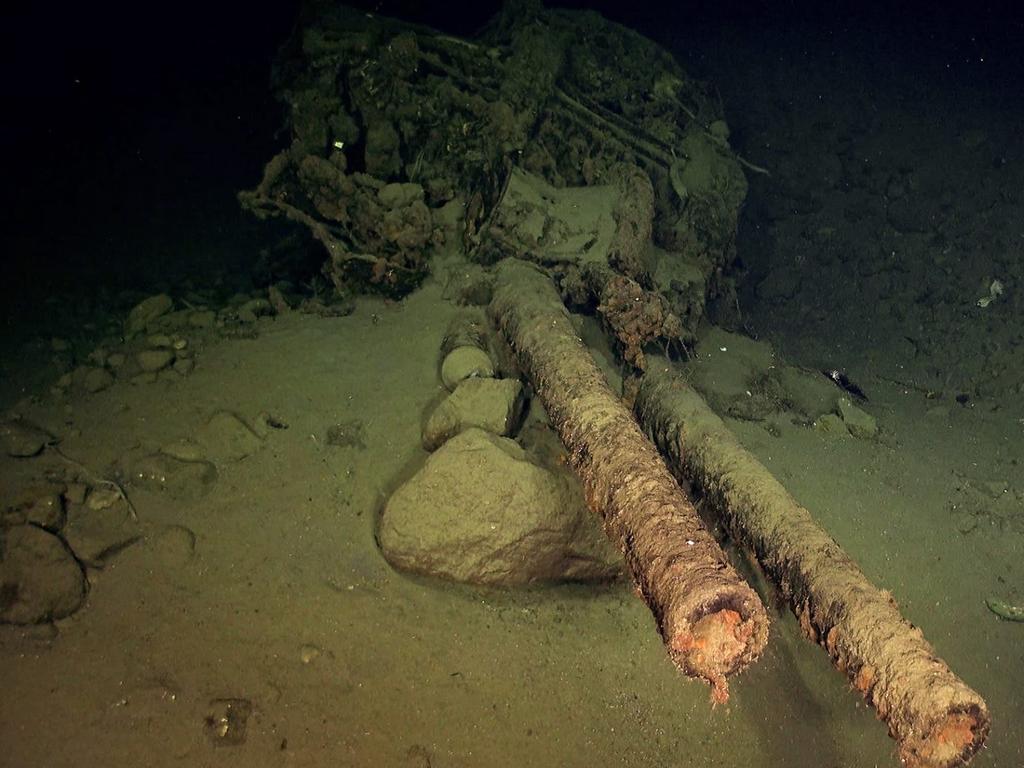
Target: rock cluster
[41,579]
[65,519]
[159,340]
[483,510]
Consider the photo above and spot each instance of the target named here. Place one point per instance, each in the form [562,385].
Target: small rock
[40,579]
[184,450]
[464,362]
[804,392]
[179,479]
[494,405]
[79,374]
[966,522]
[102,498]
[246,316]
[39,505]
[346,434]
[259,307]
[830,423]
[309,653]
[115,360]
[226,721]
[278,300]
[418,756]
[74,493]
[859,423]
[225,437]
[97,533]
[145,312]
[153,360]
[61,364]
[46,511]
[22,438]
[158,341]
[471,285]
[266,421]
[184,366]
[97,379]
[203,318]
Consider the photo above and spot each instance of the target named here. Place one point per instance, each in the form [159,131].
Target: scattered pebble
[145,312]
[494,405]
[246,316]
[22,439]
[102,528]
[258,307]
[47,511]
[225,723]
[266,421]
[277,300]
[39,505]
[102,498]
[74,493]
[830,423]
[179,479]
[225,437]
[967,522]
[860,423]
[462,363]
[42,580]
[152,360]
[203,318]
[346,434]
[97,379]
[184,450]
[309,653]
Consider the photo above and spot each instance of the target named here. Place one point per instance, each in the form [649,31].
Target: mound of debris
[555,136]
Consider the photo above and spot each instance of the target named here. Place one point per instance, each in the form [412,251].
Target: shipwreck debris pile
[394,126]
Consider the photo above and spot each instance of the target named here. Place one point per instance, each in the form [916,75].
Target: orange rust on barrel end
[712,647]
[950,740]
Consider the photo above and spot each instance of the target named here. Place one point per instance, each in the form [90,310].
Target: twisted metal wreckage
[564,140]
